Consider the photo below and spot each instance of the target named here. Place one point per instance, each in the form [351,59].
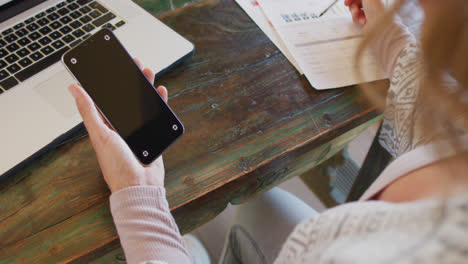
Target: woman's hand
[365,11]
[119,166]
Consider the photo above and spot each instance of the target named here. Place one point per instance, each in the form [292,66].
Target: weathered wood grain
[251,121]
[256,183]
[161,7]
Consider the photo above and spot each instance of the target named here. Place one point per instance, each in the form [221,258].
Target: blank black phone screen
[124,95]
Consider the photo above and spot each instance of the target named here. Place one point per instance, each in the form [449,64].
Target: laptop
[36,110]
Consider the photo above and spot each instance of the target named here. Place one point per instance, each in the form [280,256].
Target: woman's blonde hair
[441,106]
[444,46]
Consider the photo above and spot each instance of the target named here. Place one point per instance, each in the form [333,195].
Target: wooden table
[251,122]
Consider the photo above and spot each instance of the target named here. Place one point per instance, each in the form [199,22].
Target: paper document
[323,40]
[252,9]
[281,12]
[325,50]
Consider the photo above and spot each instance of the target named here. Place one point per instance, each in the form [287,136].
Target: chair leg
[375,162]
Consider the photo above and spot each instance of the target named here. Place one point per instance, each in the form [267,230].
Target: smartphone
[123,95]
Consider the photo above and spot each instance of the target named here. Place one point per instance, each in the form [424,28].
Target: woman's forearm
[146,227]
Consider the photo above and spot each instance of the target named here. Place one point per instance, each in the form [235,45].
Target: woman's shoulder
[375,231]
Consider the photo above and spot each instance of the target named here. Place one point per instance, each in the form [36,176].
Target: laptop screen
[10,8]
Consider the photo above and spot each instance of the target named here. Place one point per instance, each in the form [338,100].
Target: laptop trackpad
[55,92]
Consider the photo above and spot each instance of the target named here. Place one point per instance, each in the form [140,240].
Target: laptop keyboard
[40,41]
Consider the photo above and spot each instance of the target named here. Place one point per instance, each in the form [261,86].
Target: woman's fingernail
[362,21]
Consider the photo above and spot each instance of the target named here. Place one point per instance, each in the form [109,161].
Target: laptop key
[24,41]
[40,15]
[45,40]
[3,53]
[10,38]
[55,25]
[25,62]
[36,56]
[45,30]
[75,24]
[34,46]
[55,35]
[76,42]
[95,14]
[88,27]
[83,2]
[13,68]
[85,19]
[2,43]
[119,24]
[2,64]
[109,26]
[18,26]
[100,21]
[85,9]
[32,27]
[78,33]
[75,15]
[63,11]
[6,32]
[35,35]
[61,5]
[53,16]
[73,6]
[3,74]
[99,7]
[8,83]
[47,50]
[12,47]
[11,58]
[58,44]
[50,10]
[41,65]
[43,21]
[68,38]
[23,52]
[21,32]
[29,20]
[65,19]
[65,30]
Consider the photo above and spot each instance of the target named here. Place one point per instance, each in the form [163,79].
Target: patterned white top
[431,231]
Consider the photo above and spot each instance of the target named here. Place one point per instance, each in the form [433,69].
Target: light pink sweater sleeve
[146,227]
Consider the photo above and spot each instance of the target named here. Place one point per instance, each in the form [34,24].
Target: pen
[330,6]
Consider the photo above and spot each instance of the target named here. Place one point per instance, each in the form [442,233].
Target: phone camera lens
[145,153]
[175,127]
[106,37]
[73,61]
